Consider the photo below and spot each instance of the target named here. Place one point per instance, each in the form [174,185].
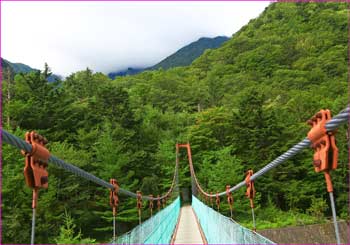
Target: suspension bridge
[198,223]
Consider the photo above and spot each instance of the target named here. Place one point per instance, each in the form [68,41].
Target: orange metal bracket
[211,199]
[326,152]
[325,156]
[229,198]
[151,204]
[250,193]
[229,195]
[217,201]
[35,169]
[139,204]
[158,203]
[113,196]
[139,199]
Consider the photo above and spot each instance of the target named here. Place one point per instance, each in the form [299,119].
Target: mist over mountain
[183,57]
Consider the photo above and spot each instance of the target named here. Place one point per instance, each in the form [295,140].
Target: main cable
[334,123]
[22,145]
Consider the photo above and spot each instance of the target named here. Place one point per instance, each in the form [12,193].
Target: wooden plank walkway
[188,231]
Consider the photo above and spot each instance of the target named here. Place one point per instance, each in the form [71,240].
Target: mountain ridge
[16,68]
[190,52]
[182,57]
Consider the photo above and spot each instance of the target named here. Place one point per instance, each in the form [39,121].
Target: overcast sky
[109,36]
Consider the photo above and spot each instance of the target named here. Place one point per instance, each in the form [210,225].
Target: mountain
[16,68]
[6,66]
[126,72]
[19,67]
[187,54]
[182,57]
[252,97]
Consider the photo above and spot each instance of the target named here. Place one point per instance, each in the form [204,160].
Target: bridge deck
[188,231]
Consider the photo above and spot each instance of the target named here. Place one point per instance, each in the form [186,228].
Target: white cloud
[107,36]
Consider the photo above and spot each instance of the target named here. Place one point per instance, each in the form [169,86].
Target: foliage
[318,207]
[273,217]
[185,55]
[67,233]
[240,106]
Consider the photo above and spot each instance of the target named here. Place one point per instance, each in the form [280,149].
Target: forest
[239,106]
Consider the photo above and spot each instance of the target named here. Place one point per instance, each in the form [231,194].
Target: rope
[22,145]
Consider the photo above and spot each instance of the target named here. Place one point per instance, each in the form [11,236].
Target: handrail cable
[333,124]
[22,145]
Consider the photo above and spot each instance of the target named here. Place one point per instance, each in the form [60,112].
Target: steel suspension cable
[333,124]
[22,145]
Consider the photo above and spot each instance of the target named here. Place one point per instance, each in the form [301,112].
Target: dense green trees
[240,106]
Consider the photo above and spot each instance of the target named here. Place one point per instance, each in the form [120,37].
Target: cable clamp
[113,196]
[229,196]
[35,169]
[217,201]
[250,193]
[151,202]
[326,152]
[158,202]
[139,199]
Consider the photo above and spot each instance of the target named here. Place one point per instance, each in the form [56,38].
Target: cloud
[108,36]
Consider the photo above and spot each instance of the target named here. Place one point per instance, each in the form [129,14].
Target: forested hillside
[16,67]
[10,69]
[240,106]
[182,57]
[186,55]
[5,65]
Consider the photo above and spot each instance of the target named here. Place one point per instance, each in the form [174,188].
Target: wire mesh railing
[156,230]
[219,229]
